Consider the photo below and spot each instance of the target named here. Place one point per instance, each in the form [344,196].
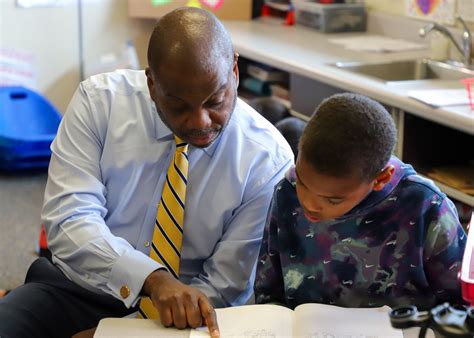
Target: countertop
[305,51]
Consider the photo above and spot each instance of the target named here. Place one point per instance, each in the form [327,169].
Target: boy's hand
[179,304]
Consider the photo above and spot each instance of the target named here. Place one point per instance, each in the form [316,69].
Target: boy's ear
[383,177]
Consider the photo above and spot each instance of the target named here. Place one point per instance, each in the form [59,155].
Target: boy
[353,226]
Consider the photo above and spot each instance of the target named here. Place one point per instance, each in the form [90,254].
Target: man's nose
[200,119]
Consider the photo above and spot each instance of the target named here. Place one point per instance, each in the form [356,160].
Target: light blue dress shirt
[106,175]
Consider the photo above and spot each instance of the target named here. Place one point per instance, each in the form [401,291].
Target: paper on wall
[17,68]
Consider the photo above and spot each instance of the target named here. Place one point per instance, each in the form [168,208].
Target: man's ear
[235,69]
[383,177]
[150,82]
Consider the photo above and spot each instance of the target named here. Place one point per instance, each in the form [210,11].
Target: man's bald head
[192,38]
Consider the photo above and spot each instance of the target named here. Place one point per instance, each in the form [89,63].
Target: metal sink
[407,70]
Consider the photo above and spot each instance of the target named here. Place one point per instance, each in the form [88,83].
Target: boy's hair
[349,135]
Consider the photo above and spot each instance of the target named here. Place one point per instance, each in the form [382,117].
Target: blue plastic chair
[28,125]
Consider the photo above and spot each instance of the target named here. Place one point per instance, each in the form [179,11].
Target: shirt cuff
[128,275]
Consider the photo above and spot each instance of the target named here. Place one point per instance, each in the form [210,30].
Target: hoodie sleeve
[269,279]
[443,251]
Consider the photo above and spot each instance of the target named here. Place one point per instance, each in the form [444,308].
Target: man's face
[196,106]
[325,197]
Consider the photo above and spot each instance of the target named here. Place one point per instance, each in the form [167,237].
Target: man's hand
[179,304]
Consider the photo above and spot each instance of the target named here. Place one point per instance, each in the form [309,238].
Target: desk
[306,52]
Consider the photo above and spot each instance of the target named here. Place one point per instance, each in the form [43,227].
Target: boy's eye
[334,201]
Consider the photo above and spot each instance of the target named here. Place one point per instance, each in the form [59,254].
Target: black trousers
[50,305]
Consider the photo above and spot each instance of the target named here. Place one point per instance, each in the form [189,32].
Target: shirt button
[146,244]
[124,291]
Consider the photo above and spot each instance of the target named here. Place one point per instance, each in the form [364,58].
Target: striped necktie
[168,229]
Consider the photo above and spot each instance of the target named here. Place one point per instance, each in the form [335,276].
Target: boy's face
[325,197]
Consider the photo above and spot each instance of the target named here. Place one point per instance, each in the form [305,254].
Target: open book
[269,321]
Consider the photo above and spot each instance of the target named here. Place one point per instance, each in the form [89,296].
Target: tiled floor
[21,198]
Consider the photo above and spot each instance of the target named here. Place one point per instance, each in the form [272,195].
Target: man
[121,138]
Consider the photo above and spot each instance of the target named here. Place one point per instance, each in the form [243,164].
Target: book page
[327,321]
[134,327]
[252,321]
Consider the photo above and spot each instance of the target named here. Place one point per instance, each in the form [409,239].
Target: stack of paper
[441,97]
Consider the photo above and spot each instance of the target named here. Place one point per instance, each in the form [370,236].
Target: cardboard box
[223,9]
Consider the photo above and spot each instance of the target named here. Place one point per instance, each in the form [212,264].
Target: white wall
[51,34]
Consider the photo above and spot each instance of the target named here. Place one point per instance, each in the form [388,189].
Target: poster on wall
[441,11]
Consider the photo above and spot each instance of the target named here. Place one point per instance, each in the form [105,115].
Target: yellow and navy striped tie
[168,230]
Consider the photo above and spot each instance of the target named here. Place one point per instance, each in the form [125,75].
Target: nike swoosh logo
[292,256]
[326,262]
[369,265]
[369,221]
[453,266]
[347,282]
[391,242]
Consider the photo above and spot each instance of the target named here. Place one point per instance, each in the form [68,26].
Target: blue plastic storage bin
[28,125]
